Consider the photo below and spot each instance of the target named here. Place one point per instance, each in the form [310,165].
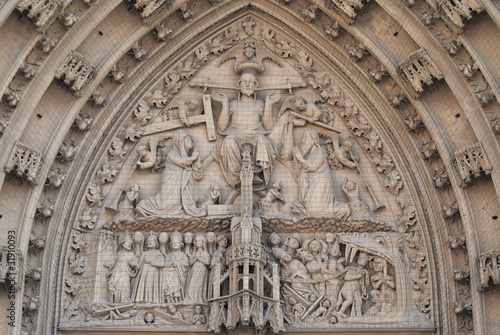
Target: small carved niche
[472,163]
[420,70]
[25,162]
[76,72]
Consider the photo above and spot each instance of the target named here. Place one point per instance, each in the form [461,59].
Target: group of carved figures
[319,286]
[178,192]
[160,271]
[249,120]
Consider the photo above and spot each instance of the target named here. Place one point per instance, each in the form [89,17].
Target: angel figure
[343,154]
[185,109]
[147,158]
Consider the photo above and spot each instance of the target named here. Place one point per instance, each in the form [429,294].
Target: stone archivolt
[133,259]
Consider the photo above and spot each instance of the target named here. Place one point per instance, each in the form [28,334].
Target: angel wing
[235,53]
[262,54]
[289,103]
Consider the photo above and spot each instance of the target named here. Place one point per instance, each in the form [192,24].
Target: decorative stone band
[25,162]
[489,269]
[76,72]
[419,70]
[240,252]
[471,162]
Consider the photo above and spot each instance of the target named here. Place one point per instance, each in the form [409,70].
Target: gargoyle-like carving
[28,71]
[471,162]
[309,13]
[494,121]
[484,98]
[459,275]
[455,242]
[48,44]
[450,211]
[99,99]
[34,274]
[138,52]
[68,20]
[419,70]
[55,178]
[36,244]
[378,73]
[25,162]
[413,122]
[3,125]
[42,12]
[12,97]
[45,209]
[440,178]
[163,32]
[348,6]
[468,70]
[489,269]
[453,12]
[67,151]
[358,51]
[76,71]
[428,150]
[82,122]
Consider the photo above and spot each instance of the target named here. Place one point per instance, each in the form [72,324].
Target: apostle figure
[178,190]
[147,287]
[197,281]
[246,119]
[173,275]
[122,269]
[313,175]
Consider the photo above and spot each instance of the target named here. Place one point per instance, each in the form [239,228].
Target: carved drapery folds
[472,163]
[283,166]
[419,69]
[76,73]
[489,269]
[25,162]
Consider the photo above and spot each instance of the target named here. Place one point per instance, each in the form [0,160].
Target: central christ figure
[246,119]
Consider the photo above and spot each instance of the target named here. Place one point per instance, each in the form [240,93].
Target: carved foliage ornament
[471,162]
[76,72]
[25,162]
[419,70]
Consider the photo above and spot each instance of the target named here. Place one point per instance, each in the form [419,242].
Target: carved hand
[273,97]
[221,97]
[195,155]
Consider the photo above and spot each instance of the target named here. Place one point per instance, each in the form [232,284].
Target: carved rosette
[76,73]
[419,69]
[25,162]
[472,163]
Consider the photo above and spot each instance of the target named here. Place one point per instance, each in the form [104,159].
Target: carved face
[350,186]
[333,252]
[378,264]
[293,243]
[306,144]
[249,52]
[247,84]
[315,246]
[286,258]
[223,243]
[211,238]
[175,244]
[134,188]
[193,104]
[326,303]
[172,309]
[188,143]
[274,239]
[197,309]
[127,245]
[329,238]
[363,259]
[149,317]
[188,238]
[277,185]
[198,242]
[300,104]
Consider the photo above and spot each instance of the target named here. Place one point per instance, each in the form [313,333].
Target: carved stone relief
[76,72]
[472,163]
[25,162]
[419,70]
[140,254]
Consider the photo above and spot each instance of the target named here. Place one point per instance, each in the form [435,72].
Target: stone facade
[261,166]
